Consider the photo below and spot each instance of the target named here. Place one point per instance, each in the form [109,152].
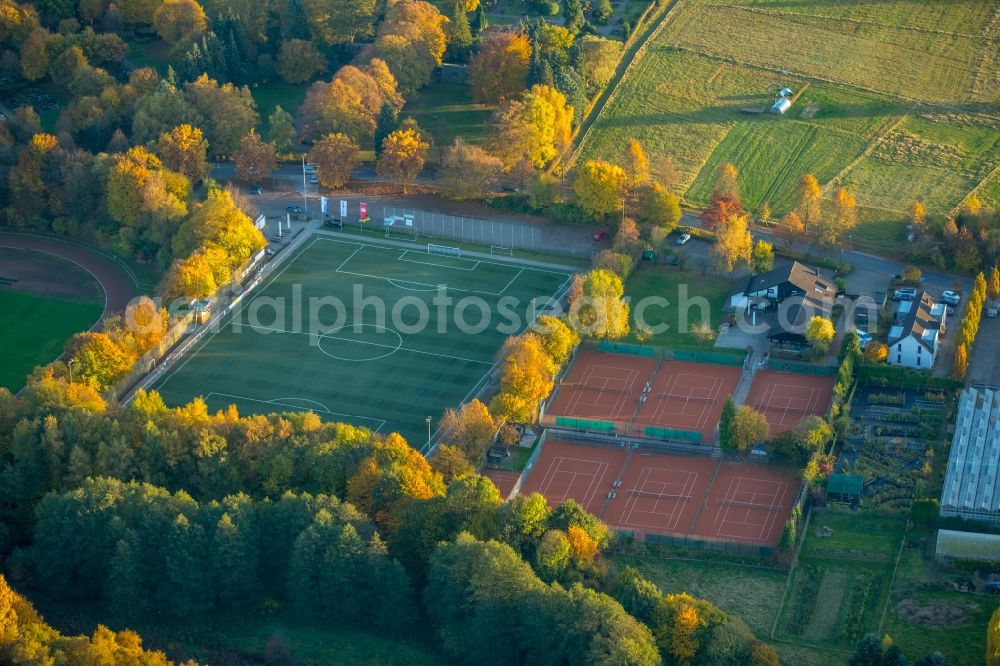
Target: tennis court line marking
[372,344]
[674,516]
[556,468]
[283,402]
[774,499]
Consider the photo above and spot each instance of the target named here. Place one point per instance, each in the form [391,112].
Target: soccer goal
[500,249]
[444,249]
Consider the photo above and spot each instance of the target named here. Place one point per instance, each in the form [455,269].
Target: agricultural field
[841,582]
[894,100]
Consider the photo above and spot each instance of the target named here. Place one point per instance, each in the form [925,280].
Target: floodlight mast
[305,205]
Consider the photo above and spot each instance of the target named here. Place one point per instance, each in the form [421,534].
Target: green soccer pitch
[385,371]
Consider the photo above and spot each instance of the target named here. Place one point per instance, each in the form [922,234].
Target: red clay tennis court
[688,396]
[584,473]
[785,398]
[686,496]
[636,392]
[603,386]
[503,479]
[660,493]
[747,504]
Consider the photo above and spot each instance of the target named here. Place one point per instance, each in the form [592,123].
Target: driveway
[984,367]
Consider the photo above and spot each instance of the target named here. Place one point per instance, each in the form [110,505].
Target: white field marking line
[344,262]
[810,401]
[393,281]
[283,402]
[487,262]
[191,353]
[475,264]
[372,344]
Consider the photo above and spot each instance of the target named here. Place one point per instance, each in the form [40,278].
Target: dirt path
[118,285]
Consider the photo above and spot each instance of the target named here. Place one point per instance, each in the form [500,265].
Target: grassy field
[841,582]
[277,92]
[752,594]
[377,354]
[673,284]
[34,329]
[446,110]
[896,100]
[149,54]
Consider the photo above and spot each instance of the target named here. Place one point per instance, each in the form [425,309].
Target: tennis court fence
[784,365]
[695,543]
[691,355]
[502,238]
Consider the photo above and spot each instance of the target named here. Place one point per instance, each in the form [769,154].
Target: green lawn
[376,354]
[752,594]
[447,111]
[153,54]
[691,296]
[896,101]
[34,329]
[277,92]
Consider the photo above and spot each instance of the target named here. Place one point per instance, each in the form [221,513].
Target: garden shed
[844,488]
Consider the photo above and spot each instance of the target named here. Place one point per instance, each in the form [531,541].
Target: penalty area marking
[284,402]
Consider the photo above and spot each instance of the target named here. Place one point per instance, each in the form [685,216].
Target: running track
[119,287]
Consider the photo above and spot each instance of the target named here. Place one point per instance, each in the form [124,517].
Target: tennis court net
[752,505]
[650,493]
[770,407]
[692,398]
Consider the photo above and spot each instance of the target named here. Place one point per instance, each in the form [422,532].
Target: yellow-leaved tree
[600,187]
[403,155]
[598,311]
[526,372]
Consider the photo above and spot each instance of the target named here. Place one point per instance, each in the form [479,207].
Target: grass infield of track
[35,329]
[374,374]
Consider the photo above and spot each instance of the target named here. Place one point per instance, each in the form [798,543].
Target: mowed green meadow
[897,100]
[35,329]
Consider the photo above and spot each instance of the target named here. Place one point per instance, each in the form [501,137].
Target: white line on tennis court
[372,344]
[283,402]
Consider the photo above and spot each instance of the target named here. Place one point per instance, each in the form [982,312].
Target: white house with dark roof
[795,292]
[915,337]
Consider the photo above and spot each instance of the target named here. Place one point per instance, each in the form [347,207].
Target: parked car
[314,180]
[294,210]
[255,189]
[951,297]
[309,168]
[864,338]
[599,235]
[683,239]
[904,294]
